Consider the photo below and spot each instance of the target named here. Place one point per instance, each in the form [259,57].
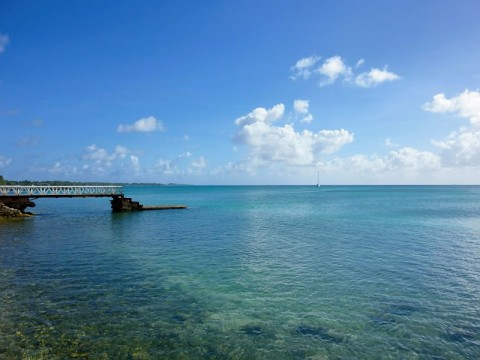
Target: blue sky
[241,92]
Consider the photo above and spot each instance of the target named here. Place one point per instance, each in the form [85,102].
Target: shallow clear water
[246,272]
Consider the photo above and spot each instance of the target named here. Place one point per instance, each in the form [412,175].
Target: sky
[241,92]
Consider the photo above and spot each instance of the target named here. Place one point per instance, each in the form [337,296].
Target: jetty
[20,197]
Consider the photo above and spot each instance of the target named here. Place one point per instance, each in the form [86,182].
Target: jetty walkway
[34,191]
[19,197]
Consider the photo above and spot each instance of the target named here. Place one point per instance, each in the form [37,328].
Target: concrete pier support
[121,203]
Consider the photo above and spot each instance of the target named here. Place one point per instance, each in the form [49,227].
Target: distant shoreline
[79,183]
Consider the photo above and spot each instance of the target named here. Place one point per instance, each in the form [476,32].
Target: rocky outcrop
[17,202]
[8,212]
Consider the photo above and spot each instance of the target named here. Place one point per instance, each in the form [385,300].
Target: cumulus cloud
[375,77]
[100,155]
[410,158]
[301,106]
[261,115]
[4,40]
[301,109]
[462,147]
[271,143]
[4,161]
[332,68]
[148,124]
[466,105]
[119,162]
[335,68]
[303,67]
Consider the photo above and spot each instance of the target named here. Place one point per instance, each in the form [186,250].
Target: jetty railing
[60,191]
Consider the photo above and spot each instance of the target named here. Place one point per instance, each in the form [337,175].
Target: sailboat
[318,178]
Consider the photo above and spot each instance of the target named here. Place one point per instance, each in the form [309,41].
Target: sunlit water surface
[246,272]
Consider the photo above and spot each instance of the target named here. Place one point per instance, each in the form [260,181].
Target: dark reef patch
[252,330]
[320,333]
[459,335]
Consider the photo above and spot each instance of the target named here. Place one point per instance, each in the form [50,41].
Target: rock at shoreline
[8,212]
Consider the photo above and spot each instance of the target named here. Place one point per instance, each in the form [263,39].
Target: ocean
[246,272]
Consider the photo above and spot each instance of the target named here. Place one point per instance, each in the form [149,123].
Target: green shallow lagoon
[280,272]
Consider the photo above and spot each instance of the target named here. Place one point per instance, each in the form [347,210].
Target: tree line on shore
[50,182]
[67,183]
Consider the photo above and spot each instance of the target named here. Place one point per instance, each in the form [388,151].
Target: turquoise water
[246,273]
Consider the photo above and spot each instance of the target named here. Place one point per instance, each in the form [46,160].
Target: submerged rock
[319,333]
[455,334]
[383,319]
[401,309]
[179,318]
[252,330]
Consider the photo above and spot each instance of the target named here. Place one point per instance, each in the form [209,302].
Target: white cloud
[102,156]
[166,167]
[92,152]
[390,144]
[330,141]
[119,163]
[332,68]
[261,115]
[268,143]
[405,166]
[335,68]
[4,40]
[375,77]
[307,118]
[178,166]
[64,170]
[303,67]
[148,124]
[461,148]
[121,151]
[4,161]
[301,108]
[360,63]
[199,163]
[466,105]
[395,162]
[409,158]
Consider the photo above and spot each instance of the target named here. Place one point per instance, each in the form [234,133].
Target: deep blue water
[281,272]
